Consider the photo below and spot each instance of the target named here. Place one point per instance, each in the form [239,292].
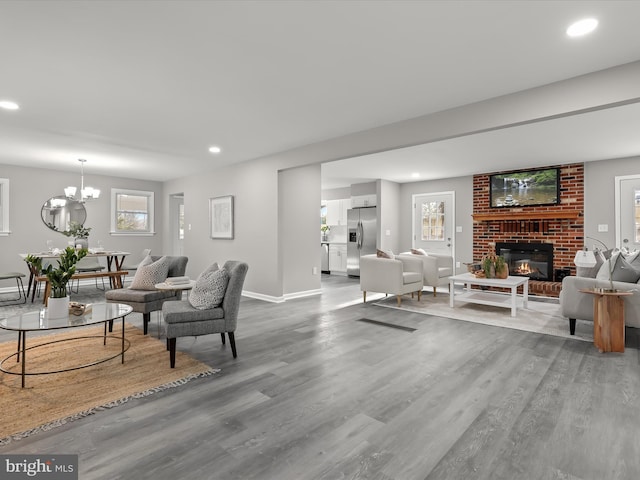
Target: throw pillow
[605,268]
[385,254]
[209,290]
[418,251]
[592,272]
[624,272]
[211,268]
[149,273]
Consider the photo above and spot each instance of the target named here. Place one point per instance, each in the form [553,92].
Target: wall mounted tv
[523,188]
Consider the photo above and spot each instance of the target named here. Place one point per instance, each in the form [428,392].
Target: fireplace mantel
[537,215]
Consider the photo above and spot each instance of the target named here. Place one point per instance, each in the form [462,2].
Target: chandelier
[86,193]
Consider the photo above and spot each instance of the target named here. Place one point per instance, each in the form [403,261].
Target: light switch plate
[459,229]
[603,227]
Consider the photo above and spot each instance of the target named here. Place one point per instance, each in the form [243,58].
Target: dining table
[114,258]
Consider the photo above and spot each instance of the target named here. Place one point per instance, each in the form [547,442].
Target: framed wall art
[221,216]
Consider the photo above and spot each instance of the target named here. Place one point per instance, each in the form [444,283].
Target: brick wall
[566,235]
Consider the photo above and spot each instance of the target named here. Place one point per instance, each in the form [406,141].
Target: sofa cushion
[149,273]
[208,292]
[445,272]
[385,254]
[411,277]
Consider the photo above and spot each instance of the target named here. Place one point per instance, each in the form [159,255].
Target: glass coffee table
[37,321]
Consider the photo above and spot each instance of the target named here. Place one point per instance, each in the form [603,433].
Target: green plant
[325,228]
[493,265]
[59,277]
[35,263]
[77,230]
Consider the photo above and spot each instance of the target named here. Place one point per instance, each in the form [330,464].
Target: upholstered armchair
[150,300]
[436,269]
[397,276]
[182,319]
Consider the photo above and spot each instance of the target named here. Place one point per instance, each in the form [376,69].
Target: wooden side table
[608,319]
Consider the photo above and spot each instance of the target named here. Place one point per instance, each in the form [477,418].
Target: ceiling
[141,89]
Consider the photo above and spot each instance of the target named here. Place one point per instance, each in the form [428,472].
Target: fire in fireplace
[533,260]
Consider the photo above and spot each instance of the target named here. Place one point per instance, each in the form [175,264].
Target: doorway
[433,222]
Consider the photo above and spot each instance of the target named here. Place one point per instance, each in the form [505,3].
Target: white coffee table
[497,299]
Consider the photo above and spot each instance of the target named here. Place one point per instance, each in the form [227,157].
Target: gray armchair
[147,301]
[183,320]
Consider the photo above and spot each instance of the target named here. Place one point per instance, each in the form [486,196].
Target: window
[131,212]
[4,206]
[432,221]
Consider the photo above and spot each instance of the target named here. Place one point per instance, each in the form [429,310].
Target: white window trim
[142,193]
[4,226]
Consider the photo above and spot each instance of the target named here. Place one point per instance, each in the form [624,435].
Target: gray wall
[599,196]
[299,229]
[31,187]
[463,188]
[389,208]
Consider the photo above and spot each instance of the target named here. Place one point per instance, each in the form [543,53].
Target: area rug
[51,400]
[542,315]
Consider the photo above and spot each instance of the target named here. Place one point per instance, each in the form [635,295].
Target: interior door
[433,224]
[628,212]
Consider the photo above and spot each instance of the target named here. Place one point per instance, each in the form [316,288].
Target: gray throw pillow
[211,268]
[149,273]
[209,289]
[623,271]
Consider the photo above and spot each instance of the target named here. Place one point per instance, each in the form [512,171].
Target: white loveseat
[436,268]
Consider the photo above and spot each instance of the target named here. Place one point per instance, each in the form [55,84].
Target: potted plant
[59,277]
[325,230]
[79,232]
[495,266]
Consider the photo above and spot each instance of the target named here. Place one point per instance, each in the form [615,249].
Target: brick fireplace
[560,225]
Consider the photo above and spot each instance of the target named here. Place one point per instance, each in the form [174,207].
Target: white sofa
[397,276]
[436,268]
[575,304]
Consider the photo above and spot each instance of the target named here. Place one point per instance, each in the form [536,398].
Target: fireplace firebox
[533,260]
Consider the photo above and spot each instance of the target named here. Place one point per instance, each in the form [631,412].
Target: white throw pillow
[149,273]
[385,254]
[209,289]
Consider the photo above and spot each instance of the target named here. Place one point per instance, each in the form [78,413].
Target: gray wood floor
[317,394]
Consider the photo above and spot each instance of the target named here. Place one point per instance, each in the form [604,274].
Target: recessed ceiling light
[415,175]
[582,27]
[215,149]
[9,105]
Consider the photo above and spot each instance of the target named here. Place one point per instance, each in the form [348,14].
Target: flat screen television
[525,188]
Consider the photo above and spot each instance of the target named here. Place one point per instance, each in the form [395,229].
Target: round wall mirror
[58,213]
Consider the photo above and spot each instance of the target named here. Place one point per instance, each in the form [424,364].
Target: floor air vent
[385,324]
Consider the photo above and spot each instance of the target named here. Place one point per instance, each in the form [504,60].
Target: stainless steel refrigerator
[362,230]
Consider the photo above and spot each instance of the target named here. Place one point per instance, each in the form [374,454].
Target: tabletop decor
[494,266]
[79,232]
[58,305]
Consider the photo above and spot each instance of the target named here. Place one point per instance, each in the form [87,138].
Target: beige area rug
[541,316]
[51,400]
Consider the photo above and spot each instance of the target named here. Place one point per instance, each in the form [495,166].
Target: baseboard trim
[261,296]
[305,293]
[283,298]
